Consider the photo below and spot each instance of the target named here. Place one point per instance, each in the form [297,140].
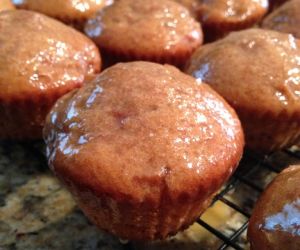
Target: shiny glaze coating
[191,5]
[285,19]
[68,11]
[128,143]
[6,5]
[157,30]
[40,60]
[258,73]
[219,17]
[275,222]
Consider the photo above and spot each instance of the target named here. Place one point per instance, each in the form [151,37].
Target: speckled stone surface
[36,212]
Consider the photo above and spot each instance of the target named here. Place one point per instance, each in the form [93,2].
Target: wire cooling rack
[241,192]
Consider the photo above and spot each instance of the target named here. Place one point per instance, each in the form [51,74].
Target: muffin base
[217,29]
[113,56]
[140,220]
[269,132]
[24,119]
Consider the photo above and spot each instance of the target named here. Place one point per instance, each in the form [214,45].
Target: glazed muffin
[191,5]
[40,60]
[275,222]
[127,144]
[71,12]
[158,30]
[6,5]
[285,19]
[276,3]
[219,17]
[257,72]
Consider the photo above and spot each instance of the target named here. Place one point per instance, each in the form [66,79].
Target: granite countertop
[36,212]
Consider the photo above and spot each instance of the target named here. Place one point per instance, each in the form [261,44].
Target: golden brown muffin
[6,5]
[191,5]
[257,72]
[219,17]
[73,12]
[275,222]
[158,30]
[285,19]
[276,3]
[40,60]
[128,143]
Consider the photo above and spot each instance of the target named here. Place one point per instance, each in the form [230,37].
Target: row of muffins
[116,118]
[161,31]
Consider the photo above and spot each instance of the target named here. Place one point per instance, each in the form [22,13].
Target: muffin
[6,5]
[191,5]
[219,17]
[41,59]
[285,19]
[127,144]
[71,12]
[257,72]
[276,3]
[158,30]
[275,222]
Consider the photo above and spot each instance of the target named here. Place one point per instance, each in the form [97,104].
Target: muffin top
[39,54]
[275,221]
[6,5]
[142,128]
[64,9]
[145,27]
[225,11]
[285,19]
[191,5]
[254,69]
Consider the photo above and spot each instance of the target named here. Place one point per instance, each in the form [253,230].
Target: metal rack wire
[254,172]
[243,175]
[248,172]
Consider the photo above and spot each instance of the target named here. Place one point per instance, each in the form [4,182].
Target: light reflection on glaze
[230,9]
[159,25]
[285,18]
[152,112]
[93,96]
[71,9]
[277,67]
[288,220]
[58,57]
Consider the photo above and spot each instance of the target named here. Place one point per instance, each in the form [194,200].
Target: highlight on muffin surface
[40,60]
[275,220]
[285,19]
[71,12]
[219,17]
[257,72]
[159,30]
[127,143]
